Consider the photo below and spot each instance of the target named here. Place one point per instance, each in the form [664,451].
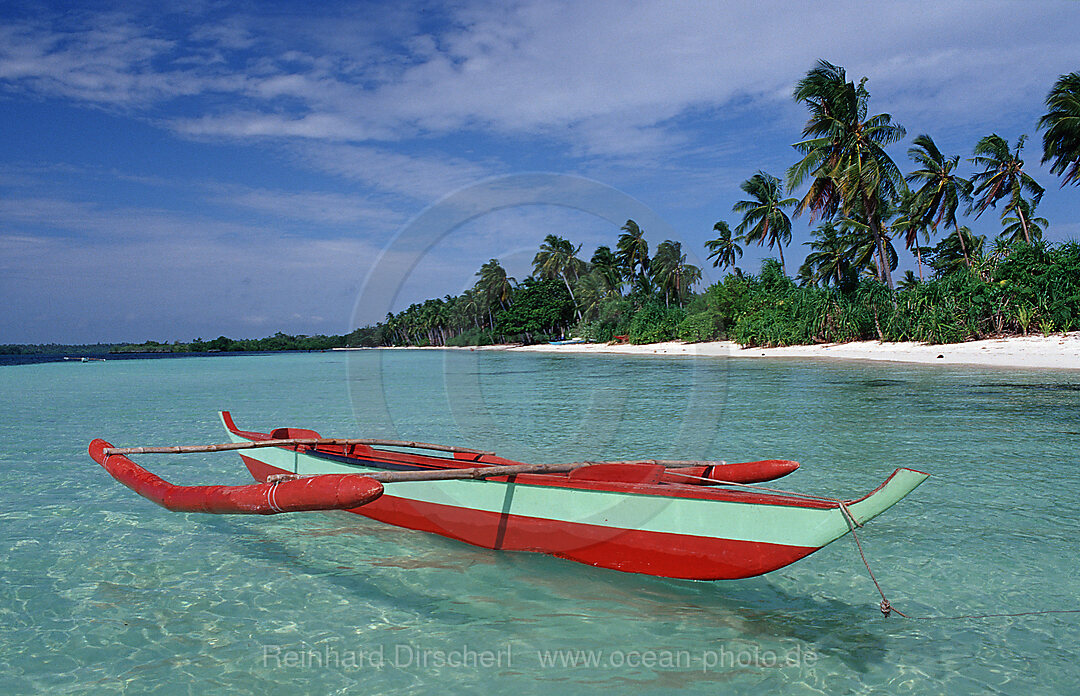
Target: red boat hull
[635,551]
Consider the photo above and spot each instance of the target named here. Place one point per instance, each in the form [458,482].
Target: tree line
[865,206]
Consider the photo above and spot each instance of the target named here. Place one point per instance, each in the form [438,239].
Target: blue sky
[238,168]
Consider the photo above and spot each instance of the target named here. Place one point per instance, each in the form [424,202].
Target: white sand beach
[1053,351]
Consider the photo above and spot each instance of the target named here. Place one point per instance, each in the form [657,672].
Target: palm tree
[1061,141]
[604,263]
[845,153]
[671,273]
[723,250]
[863,253]
[908,224]
[942,189]
[1014,228]
[764,219]
[472,305]
[909,281]
[830,259]
[1003,175]
[494,286]
[632,252]
[948,255]
[592,290]
[557,258]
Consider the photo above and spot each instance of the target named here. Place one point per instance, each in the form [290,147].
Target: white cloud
[606,78]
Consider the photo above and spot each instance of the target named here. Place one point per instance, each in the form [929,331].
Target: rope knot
[886,608]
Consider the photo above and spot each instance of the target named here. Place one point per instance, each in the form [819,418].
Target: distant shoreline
[1056,351]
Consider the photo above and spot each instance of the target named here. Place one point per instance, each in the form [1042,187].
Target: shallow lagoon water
[103,591]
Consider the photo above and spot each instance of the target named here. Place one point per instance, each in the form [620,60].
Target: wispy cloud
[319,208]
[87,220]
[422,177]
[605,78]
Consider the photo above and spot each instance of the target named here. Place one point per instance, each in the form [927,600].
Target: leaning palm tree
[1003,175]
[764,219]
[1061,141]
[723,250]
[557,258]
[942,190]
[845,153]
[632,252]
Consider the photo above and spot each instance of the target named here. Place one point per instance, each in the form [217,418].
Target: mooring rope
[887,608]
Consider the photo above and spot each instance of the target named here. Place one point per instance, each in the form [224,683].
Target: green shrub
[703,326]
[471,337]
[654,323]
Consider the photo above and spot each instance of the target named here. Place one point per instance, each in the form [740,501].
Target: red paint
[740,472]
[327,492]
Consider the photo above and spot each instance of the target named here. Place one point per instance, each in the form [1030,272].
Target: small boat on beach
[679,519]
[568,342]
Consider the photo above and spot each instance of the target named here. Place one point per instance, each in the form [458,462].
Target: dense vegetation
[844,290]
[56,349]
[277,342]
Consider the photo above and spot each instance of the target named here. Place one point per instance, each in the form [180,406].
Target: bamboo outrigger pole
[482,472]
[284,442]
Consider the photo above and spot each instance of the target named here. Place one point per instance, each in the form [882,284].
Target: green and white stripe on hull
[750,521]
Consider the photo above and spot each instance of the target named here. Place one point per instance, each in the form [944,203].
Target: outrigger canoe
[693,520]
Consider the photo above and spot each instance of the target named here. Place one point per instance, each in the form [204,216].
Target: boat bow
[899,484]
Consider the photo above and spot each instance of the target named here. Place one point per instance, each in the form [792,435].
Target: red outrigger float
[696,520]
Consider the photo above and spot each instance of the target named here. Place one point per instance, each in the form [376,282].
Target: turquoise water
[104,592]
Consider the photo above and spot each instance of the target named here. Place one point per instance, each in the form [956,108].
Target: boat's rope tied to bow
[885,606]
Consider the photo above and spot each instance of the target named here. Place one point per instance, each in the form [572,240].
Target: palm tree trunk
[572,298]
[963,247]
[885,273]
[1023,224]
[780,248]
[918,259]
